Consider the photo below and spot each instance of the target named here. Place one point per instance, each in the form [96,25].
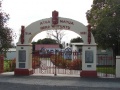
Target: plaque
[89,56]
[88,65]
[21,65]
[22,56]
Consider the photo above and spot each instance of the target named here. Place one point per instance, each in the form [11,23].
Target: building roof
[76,43]
[38,46]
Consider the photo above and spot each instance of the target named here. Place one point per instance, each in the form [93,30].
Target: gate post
[1,63]
[117,66]
[88,61]
[23,60]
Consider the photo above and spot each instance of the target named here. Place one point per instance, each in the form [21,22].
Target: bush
[76,64]
[13,64]
[68,64]
[35,62]
[9,65]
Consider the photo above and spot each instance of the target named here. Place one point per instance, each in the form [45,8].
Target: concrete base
[23,72]
[88,74]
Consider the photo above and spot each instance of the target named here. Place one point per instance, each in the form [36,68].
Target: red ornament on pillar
[89,34]
[54,17]
[22,34]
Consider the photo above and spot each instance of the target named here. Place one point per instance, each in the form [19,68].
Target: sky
[24,12]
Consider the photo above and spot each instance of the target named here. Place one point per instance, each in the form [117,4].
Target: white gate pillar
[118,66]
[88,61]
[23,60]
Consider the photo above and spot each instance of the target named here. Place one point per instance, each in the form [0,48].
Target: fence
[105,65]
[57,62]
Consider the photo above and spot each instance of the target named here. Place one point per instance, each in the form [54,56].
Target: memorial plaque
[22,56]
[89,56]
[88,65]
[21,65]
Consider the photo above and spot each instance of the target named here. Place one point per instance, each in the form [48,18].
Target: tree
[5,32]
[76,40]
[104,19]
[56,34]
[46,41]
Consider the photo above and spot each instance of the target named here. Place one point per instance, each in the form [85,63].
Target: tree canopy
[5,32]
[76,40]
[45,41]
[104,19]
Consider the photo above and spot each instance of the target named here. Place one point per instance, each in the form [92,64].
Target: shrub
[9,65]
[35,62]
[76,64]
[63,63]
[13,64]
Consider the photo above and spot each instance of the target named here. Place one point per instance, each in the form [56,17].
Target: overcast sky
[24,12]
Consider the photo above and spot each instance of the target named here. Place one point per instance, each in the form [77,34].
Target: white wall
[10,55]
[118,66]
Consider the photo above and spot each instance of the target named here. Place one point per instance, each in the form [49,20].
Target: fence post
[1,63]
[117,66]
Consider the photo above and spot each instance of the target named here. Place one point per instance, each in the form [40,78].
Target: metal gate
[56,62]
[106,65]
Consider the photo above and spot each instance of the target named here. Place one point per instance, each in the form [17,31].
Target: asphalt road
[11,82]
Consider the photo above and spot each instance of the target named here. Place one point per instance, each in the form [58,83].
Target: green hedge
[9,65]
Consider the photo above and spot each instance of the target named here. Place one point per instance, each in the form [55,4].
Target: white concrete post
[24,60]
[117,66]
[88,61]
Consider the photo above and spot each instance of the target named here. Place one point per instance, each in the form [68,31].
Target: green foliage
[104,19]
[107,70]
[9,65]
[76,40]
[34,42]
[5,32]
[46,41]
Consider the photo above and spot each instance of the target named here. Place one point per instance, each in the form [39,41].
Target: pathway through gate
[57,63]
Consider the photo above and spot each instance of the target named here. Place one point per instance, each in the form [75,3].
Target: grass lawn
[108,70]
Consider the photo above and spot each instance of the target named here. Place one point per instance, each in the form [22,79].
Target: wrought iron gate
[57,62]
[105,65]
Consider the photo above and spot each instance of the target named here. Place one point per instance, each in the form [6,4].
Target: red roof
[38,46]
